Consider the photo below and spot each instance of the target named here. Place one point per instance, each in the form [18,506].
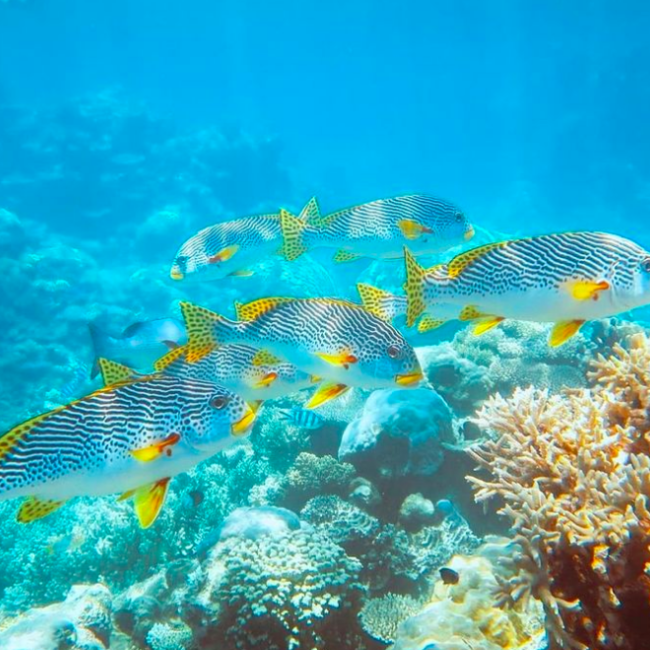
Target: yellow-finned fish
[130,437]
[231,247]
[378,229]
[254,374]
[333,339]
[564,278]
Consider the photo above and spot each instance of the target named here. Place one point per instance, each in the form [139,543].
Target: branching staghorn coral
[575,482]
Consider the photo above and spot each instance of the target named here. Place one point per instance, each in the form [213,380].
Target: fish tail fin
[293,231]
[100,342]
[311,211]
[205,330]
[376,301]
[414,288]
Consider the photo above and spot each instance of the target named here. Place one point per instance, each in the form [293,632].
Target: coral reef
[380,617]
[398,433]
[574,472]
[467,615]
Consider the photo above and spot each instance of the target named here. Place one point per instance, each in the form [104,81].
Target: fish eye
[645,265]
[181,260]
[219,402]
[393,351]
[459,216]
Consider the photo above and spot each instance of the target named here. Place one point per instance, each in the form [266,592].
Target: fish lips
[409,378]
[469,234]
[176,273]
[243,425]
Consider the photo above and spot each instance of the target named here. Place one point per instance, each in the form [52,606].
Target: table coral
[574,473]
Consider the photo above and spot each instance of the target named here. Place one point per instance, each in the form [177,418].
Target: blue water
[128,125]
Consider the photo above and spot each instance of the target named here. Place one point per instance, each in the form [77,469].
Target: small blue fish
[304,418]
[139,345]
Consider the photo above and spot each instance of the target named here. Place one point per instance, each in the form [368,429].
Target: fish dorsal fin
[264,358]
[462,261]
[166,360]
[311,212]
[34,508]
[201,336]
[345,256]
[113,372]
[131,329]
[253,310]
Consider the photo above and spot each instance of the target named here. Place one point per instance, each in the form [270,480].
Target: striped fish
[333,339]
[390,307]
[565,279]
[229,248]
[252,373]
[378,229]
[130,437]
[303,418]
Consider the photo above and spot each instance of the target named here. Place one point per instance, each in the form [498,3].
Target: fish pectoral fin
[265,358]
[113,372]
[343,358]
[33,508]
[242,273]
[156,450]
[148,501]
[223,255]
[292,235]
[324,393]
[266,381]
[563,331]
[411,229]
[344,256]
[428,323]
[166,360]
[486,324]
[587,289]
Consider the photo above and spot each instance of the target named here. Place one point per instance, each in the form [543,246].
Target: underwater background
[127,126]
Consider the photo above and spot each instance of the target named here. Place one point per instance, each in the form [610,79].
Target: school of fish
[176,393]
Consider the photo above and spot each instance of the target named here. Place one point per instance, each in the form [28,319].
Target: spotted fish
[253,374]
[378,229]
[565,279]
[333,339]
[231,247]
[130,437]
[139,345]
[390,307]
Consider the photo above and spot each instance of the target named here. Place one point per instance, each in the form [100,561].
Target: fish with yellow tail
[390,307]
[564,278]
[336,340]
[254,374]
[230,248]
[130,437]
[378,229]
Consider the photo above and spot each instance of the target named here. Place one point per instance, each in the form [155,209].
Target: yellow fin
[242,273]
[324,393]
[373,300]
[414,287]
[470,313]
[292,231]
[224,254]
[127,495]
[266,381]
[265,358]
[486,324]
[33,508]
[587,290]
[166,360]
[315,379]
[113,372]
[563,331]
[343,358]
[200,323]
[255,404]
[412,229]
[252,310]
[428,323]
[156,450]
[462,261]
[148,501]
[311,211]
[345,256]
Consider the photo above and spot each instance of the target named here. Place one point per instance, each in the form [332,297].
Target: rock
[416,512]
